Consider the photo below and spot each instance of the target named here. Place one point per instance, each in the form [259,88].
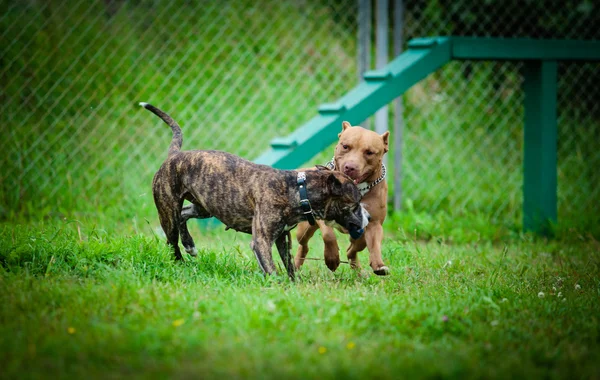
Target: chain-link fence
[235,74]
[464,124]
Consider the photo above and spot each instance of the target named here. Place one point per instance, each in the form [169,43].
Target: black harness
[304,202]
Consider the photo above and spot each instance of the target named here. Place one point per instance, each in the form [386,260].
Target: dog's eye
[369,153]
[345,146]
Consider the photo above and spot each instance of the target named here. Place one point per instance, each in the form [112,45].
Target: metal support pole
[364,42]
[539,164]
[398,109]
[381,42]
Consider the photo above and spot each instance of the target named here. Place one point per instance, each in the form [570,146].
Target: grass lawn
[80,301]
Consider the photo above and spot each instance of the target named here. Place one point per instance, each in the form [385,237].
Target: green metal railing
[426,55]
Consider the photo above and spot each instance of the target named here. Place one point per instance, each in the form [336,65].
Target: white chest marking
[363,187]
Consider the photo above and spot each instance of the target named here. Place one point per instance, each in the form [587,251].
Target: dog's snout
[355,231]
[350,167]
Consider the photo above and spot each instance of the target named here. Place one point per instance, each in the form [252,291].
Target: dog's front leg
[262,251]
[304,232]
[262,244]
[353,249]
[284,246]
[373,237]
[331,253]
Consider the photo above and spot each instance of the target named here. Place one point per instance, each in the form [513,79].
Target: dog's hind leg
[284,246]
[189,212]
[169,220]
[168,205]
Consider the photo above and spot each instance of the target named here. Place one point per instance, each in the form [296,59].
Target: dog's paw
[382,271]
[192,251]
[332,263]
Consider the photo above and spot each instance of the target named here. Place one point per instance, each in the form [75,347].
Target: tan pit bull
[359,154]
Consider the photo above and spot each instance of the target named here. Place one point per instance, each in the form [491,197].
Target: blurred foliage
[235,74]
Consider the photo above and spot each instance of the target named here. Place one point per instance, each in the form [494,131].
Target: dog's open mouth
[359,179]
[355,177]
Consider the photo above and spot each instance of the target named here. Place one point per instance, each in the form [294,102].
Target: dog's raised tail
[177,137]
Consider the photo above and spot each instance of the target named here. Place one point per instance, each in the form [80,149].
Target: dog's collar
[363,187]
[304,202]
[331,164]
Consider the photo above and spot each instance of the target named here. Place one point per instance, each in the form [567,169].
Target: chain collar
[364,187]
[331,164]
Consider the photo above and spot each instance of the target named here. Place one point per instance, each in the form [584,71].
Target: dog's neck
[304,200]
[314,196]
[378,174]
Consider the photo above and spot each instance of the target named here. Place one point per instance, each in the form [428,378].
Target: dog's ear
[345,125]
[321,167]
[334,185]
[386,137]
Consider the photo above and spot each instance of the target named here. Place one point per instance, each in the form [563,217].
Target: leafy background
[237,73]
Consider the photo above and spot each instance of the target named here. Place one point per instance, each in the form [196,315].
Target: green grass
[82,300]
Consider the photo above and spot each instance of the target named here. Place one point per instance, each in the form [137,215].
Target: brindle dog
[248,197]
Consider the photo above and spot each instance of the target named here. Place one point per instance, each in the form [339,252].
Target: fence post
[364,43]
[398,109]
[381,42]
[539,164]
